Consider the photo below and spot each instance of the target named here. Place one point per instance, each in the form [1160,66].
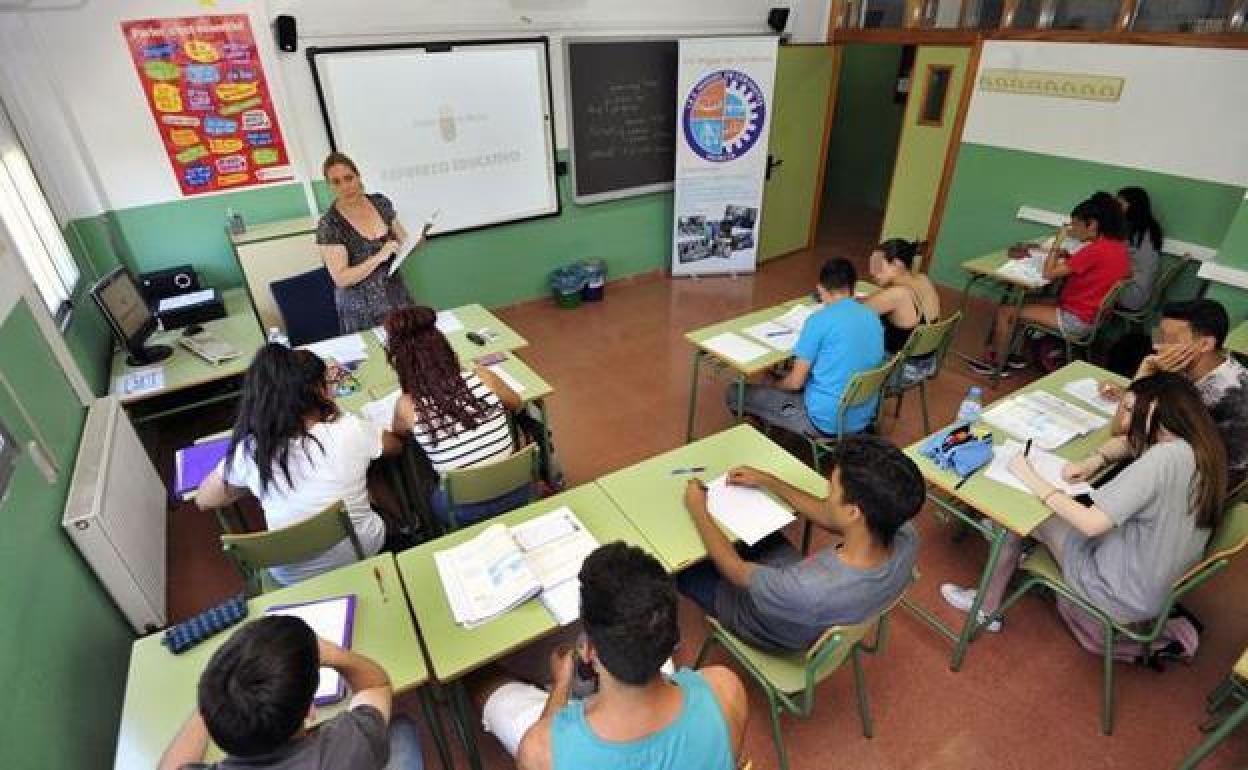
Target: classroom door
[927,138]
[805,77]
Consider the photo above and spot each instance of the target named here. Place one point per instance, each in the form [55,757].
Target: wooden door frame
[955,144]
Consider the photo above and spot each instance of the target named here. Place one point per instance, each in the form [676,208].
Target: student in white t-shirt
[298,454]
[458,418]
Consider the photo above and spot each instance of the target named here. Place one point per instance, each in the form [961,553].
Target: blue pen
[695,469]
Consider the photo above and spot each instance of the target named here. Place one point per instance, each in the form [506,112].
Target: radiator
[115,515]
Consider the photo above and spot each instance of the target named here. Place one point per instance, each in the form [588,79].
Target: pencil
[385,598]
[1027,449]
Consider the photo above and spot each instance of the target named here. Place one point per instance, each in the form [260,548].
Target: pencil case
[206,624]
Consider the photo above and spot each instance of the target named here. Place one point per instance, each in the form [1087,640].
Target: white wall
[1181,111]
[82,57]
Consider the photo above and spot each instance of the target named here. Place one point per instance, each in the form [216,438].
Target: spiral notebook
[333,619]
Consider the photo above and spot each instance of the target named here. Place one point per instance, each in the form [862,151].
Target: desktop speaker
[777,18]
[169,282]
[287,39]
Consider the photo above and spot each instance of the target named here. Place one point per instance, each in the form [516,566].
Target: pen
[965,479]
[1027,449]
[381,584]
[694,469]
[778,334]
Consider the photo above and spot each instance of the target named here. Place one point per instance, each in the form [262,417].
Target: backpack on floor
[1178,641]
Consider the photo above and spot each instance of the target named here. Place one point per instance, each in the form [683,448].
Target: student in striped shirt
[459,418]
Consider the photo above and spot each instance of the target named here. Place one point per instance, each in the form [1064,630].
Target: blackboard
[621,97]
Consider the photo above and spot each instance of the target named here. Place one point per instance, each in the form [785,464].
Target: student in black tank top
[906,298]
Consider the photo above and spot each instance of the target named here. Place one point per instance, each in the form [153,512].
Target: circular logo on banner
[723,115]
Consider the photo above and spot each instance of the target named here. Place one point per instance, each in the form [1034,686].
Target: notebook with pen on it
[332,618]
[193,464]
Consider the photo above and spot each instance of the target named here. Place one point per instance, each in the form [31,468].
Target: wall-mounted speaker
[287,38]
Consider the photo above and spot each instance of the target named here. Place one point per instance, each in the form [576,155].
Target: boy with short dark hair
[772,597]
[256,694]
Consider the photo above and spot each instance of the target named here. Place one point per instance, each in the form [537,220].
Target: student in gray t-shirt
[1145,527]
[773,598]
[256,694]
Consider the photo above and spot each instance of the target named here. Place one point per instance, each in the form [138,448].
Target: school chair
[1082,344]
[482,483]
[1234,686]
[1041,569]
[1171,269]
[254,553]
[934,340]
[789,679]
[306,302]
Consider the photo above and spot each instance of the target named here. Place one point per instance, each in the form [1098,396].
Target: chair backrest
[932,339]
[306,302]
[863,386]
[486,482]
[835,644]
[1172,268]
[258,550]
[1108,303]
[1230,537]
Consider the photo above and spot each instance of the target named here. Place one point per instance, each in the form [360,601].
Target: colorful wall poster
[206,88]
[724,116]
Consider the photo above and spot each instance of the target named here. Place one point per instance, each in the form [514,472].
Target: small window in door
[935,91]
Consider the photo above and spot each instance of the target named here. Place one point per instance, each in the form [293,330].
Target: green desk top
[160,689]
[184,369]
[653,498]
[476,318]
[455,650]
[987,265]
[1237,340]
[1018,511]
[378,380]
[739,324]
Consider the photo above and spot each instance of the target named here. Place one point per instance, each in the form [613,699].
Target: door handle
[772,163]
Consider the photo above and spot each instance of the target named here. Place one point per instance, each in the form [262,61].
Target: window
[932,108]
[35,233]
[1183,16]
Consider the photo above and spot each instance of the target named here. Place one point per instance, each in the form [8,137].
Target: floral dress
[365,304]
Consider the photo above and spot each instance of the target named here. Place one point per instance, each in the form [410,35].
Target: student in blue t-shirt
[843,337]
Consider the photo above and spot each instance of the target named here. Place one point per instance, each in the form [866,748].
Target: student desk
[161,686]
[477,318]
[1009,508]
[184,370]
[1013,292]
[742,370]
[652,497]
[1237,340]
[454,650]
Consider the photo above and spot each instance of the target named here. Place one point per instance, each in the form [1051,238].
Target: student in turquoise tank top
[639,717]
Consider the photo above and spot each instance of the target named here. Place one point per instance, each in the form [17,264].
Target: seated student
[459,418]
[905,299]
[1144,239]
[1188,341]
[1090,273]
[298,454]
[255,697]
[1145,527]
[775,599]
[639,717]
[839,340]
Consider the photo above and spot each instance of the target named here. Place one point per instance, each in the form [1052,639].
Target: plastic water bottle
[276,336]
[972,406]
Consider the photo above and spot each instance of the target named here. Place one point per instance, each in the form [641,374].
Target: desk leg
[740,410]
[966,292]
[436,729]
[465,723]
[693,395]
[1017,296]
[543,444]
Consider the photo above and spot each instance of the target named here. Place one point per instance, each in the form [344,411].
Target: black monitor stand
[143,355]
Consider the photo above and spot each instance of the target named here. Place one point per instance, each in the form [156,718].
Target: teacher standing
[358,236]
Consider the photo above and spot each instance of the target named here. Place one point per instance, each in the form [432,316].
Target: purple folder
[333,618]
[194,463]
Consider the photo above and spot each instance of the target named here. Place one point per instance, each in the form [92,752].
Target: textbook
[503,567]
[332,619]
[193,464]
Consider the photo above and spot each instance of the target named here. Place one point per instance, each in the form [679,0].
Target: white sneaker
[961,599]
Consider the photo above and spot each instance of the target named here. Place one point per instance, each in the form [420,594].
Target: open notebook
[782,331]
[333,619]
[504,567]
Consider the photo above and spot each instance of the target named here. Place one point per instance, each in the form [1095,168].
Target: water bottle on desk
[972,406]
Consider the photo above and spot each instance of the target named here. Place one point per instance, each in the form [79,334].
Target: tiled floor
[1026,698]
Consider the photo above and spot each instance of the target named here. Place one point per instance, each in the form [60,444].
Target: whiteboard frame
[627,192]
[446,46]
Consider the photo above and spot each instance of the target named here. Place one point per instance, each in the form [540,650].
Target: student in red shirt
[1089,274]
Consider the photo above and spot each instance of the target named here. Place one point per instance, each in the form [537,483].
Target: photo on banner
[724,87]
[204,82]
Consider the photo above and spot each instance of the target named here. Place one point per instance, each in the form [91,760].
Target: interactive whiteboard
[461,127]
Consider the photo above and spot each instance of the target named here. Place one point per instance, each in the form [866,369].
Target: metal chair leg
[777,735]
[1107,694]
[860,686]
[1206,747]
[901,394]
[927,428]
[436,728]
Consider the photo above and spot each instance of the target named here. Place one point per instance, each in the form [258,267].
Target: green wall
[922,148]
[64,647]
[990,183]
[1234,253]
[494,266]
[865,128]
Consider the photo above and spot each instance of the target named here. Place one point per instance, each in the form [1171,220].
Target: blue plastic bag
[959,450]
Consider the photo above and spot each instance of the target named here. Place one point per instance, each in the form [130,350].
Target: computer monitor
[119,298]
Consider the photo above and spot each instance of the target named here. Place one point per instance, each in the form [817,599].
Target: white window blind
[33,228]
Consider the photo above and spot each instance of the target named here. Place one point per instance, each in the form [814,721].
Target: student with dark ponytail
[1144,239]
[298,454]
[906,298]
